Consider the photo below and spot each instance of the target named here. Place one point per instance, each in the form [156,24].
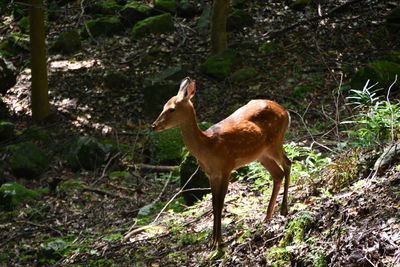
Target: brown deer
[253,132]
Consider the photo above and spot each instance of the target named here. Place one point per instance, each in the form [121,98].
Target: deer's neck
[194,138]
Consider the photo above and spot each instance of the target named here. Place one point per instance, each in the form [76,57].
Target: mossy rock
[160,87]
[156,24]
[67,42]
[107,26]
[166,146]
[380,71]
[12,194]
[204,21]
[296,229]
[3,110]
[186,9]
[105,7]
[7,131]
[165,5]
[244,74]
[268,47]
[393,20]
[28,160]
[36,133]
[8,75]
[238,19]
[220,65]
[14,44]
[303,91]
[115,80]
[86,152]
[300,5]
[199,180]
[52,250]
[133,12]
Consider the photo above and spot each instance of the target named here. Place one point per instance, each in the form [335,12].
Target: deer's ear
[186,90]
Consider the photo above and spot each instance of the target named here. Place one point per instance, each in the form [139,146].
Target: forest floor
[351,222]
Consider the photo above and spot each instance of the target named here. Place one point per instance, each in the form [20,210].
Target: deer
[253,132]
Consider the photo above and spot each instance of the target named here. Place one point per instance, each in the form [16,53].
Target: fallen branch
[155,168]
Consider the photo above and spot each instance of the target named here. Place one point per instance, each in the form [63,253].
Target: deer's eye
[171,109]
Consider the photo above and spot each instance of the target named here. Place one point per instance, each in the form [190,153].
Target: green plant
[377,120]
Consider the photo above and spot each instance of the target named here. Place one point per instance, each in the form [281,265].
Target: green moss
[221,64]
[67,42]
[166,146]
[103,26]
[12,194]
[28,160]
[296,229]
[381,71]
[156,24]
[166,5]
[244,74]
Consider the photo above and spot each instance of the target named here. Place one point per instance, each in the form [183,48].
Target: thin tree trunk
[39,95]
[219,39]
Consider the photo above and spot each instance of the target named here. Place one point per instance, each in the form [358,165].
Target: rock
[7,131]
[393,20]
[8,75]
[86,152]
[28,160]
[156,24]
[14,44]
[165,5]
[166,146]
[238,19]
[133,12]
[186,10]
[67,42]
[204,22]
[36,133]
[174,73]
[220,65]
[52,250]
[158,88]
[300,5]
[103,26]
[238,3]
[244,74]
[104,7]
[381,72]
[12,194]
[115,80]
[3,110]
[390,154]
[199,180]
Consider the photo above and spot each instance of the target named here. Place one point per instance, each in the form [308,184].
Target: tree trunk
[39,95]
[219,40]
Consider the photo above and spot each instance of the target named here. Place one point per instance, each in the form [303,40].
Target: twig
[155,168]
[391,110]
[106,193]
[105,168]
